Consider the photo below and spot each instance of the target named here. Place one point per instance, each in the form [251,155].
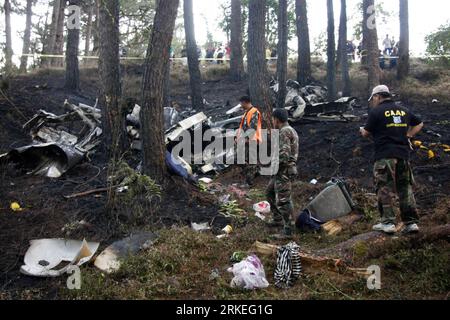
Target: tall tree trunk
[96,29]
[72,82]
[166,100]
[237,56]
[111,89]
[192,53]
[403,64]
[256,53]
[304,50]
[282,62]
[87,43]
[347,87]
[44,37]
[50,40]
[58,48]
[8,36]
[26,38]
[331,53]
[152,112]
[370,38]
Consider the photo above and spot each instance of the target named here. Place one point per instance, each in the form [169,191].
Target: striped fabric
[289,266]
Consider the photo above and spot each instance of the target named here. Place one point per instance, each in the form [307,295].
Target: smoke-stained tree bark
[347,88]
[304,47]
[152,112]
[282,62]
[26,37]
[237,56]
[72,81]
[8,37]
[109,69]
[403,63]
[256,53]
[370,39]
[331,53]
[192,53]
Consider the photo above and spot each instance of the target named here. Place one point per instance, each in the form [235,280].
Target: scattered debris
[55,150]
[332,228]
[16,207]
[314,182]
[262,207]
[200,227]
[289,267]
[306,222]
[215,274]
[226,232]
[260,216]
[249,274]
[310,103]
[332,203]
[45,255]
[109,260]
[205,180]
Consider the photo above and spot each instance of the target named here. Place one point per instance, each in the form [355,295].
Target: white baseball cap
[379,90]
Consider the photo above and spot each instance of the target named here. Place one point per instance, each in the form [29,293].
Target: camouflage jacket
[289,147]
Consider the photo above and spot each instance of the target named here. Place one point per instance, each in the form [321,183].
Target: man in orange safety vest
[250,129]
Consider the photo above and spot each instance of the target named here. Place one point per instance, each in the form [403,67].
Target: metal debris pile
[59,142]
[310,103]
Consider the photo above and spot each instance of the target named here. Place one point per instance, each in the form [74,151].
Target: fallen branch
[309,261]
[87,193]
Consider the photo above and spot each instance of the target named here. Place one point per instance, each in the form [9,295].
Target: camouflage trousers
[394,177]
[279,196]
[250,170]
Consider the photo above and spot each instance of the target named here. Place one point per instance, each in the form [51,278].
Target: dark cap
[281,114]
[245,99]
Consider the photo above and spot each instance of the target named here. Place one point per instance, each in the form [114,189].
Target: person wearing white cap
[392,126]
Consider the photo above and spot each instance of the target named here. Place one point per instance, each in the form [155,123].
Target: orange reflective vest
[248,118]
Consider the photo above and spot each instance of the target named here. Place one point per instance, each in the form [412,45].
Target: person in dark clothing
[392,127]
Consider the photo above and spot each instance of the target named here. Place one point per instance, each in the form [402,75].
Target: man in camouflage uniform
[392,127]
[250,130]
[280,187]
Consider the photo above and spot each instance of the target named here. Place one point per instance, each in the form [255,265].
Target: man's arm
[367,131]
[285,149]
[364,132]
[413,131]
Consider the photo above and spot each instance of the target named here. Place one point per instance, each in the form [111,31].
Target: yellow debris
[418,143]
[431,155]
[423,148]
[16,207]
[445,146]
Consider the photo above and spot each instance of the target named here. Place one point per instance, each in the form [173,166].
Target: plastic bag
[249,274]
[262,207]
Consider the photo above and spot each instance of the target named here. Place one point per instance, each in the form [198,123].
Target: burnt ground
[327,150]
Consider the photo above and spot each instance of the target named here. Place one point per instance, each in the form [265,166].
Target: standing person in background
[393,43]
[387,44]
